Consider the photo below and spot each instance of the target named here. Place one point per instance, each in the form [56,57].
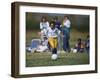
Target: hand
[39,33]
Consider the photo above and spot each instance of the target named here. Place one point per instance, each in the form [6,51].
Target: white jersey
[67,23]
[52,32]
[44,25]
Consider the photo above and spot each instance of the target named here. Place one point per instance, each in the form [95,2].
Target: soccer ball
[54,56]
[74,50]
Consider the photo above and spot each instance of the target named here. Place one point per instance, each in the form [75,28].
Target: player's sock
[55,50]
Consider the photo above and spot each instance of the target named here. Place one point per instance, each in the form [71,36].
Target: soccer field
[44,59]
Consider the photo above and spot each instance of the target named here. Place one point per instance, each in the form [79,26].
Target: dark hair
[43,17]
[52,22]
[66,16]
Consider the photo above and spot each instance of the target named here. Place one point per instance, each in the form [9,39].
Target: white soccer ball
[54,56]
[74,50]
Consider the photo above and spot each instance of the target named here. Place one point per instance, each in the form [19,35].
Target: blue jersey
[57,24]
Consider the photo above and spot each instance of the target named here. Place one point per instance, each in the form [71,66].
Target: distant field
[44,59]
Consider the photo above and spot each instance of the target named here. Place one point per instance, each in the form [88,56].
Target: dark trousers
[66,45]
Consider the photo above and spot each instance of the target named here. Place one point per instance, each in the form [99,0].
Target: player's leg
[51,42]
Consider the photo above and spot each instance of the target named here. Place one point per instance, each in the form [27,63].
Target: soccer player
[52,34]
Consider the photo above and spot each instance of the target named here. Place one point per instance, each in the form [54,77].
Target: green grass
[44,59]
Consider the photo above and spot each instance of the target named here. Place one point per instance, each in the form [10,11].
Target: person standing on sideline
[44,25]
[66,33]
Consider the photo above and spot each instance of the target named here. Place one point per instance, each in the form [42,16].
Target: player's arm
[41,26]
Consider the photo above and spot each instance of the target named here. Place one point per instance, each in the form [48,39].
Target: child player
[52,34]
